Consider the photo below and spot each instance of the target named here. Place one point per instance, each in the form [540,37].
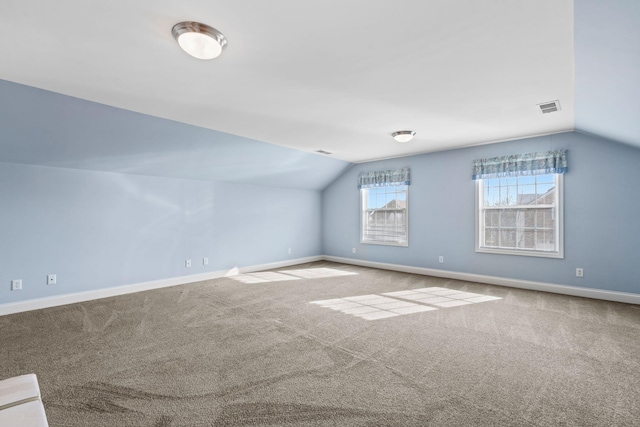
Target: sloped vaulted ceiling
[607,45]
[340,76]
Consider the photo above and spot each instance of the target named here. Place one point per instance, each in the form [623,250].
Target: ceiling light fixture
[199,40]
[403,135]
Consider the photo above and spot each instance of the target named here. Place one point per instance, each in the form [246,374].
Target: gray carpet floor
[255,351]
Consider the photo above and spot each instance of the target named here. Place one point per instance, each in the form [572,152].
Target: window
[520,215]
[383,206]
[384,215]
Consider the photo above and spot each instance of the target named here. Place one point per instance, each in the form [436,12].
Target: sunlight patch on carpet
[284,275]
[392,304]
[441,297]
[372,307]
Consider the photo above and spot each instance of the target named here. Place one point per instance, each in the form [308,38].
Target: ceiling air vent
[323,152]
[549,107]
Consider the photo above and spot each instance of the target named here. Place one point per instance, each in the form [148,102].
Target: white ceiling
[340,76]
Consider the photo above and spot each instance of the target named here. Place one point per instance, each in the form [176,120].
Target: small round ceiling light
[199,40]
[403,135]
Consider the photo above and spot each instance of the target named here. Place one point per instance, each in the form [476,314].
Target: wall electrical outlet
[51,279]
[16,285]
[579,272]
[187,263]
[205,261]
[353,250]
[289,251]
[440,258]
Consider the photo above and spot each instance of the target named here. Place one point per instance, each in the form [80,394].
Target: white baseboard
[602,294]
[57,300]
[54,301]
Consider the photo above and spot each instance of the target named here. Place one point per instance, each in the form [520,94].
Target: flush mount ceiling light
[403,135]
[199,40]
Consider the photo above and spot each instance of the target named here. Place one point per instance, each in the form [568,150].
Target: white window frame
[559,220]
[363,217]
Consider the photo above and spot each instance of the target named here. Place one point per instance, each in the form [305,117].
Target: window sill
[405,245]
[557,255]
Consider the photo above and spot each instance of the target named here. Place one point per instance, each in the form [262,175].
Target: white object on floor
[20,403]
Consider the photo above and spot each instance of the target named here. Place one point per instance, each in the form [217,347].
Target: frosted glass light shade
[403,135]
[199,40]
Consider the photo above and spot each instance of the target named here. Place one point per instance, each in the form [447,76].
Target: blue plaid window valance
[384,178]
[521,164]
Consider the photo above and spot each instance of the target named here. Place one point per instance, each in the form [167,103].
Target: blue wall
[601,204]
[104,197]
[98,229]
